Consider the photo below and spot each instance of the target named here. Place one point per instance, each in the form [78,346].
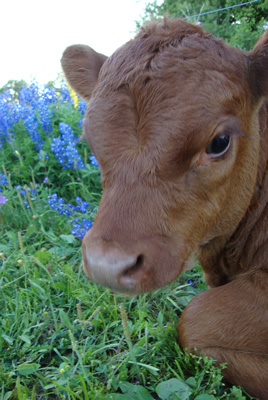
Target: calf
[178,123]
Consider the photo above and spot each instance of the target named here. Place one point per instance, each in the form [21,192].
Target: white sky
[34,33]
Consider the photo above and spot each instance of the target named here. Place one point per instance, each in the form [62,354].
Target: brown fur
[154,107]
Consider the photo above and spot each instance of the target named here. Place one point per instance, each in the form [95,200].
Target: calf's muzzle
[130,266]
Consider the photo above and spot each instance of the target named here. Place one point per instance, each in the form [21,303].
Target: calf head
[173,120]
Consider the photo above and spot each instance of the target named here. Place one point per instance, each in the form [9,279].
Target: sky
[34,33]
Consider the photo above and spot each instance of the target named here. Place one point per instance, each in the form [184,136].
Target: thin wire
[221,9]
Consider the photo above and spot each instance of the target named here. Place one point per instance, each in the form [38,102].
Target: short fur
[154,108]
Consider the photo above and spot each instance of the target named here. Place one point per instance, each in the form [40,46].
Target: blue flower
[94,161]
[65,94]
[68,209]
[29,118]
[45,114]
[82,106]
[9,115]
[3,179]
[29,95]
[64,148]
[3,199]
[80,227]
[191,283]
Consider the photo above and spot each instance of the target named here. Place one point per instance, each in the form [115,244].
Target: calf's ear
[81,66]
[258,67]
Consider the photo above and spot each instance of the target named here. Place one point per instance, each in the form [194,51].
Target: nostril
[133,269]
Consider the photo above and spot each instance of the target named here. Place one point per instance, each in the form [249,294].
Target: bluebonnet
[42,155]
[33,109]
[45,114]
[36,112]
[80,227]
[9,115]
[82,205]
[50,94]
[22,192]
[191,283]
[64,148]
[29,95]
[82,106]
[93,160]
[3,179]
[58,204]
[3,199]
[31,124]
[65,95]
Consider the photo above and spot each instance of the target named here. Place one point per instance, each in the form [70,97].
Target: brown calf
[178,123]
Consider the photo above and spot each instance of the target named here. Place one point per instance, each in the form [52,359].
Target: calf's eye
[219,145]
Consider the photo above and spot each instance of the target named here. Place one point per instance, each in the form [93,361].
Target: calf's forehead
[152,98]
[171,85]
[199,71]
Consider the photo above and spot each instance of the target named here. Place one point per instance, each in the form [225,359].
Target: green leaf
[70,239]
[191,382]
[28,369]
[173,389]
[43,256]
[8,339]
[25,338]
[65,319]
[38,288]
[135,392]
[205,397]
[7,395]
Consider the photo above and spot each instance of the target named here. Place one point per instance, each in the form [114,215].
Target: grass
[62,336]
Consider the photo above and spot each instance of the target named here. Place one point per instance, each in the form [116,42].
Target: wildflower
[65,94]
[29,95]
[45,114]
[42,155]
[9,115]
[82,205]
[191,282]
[59,205]
[36,112]
[93,160]
[3,199]
[80,227]
[28,115]
[3,179]
[64,148]
[82,106]
[45,179]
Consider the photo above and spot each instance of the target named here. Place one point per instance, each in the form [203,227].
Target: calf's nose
[107,263]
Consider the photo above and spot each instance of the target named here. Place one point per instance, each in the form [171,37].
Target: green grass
[61,335]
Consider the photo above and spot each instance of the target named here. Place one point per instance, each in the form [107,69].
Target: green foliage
[240,26]
[14,86]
